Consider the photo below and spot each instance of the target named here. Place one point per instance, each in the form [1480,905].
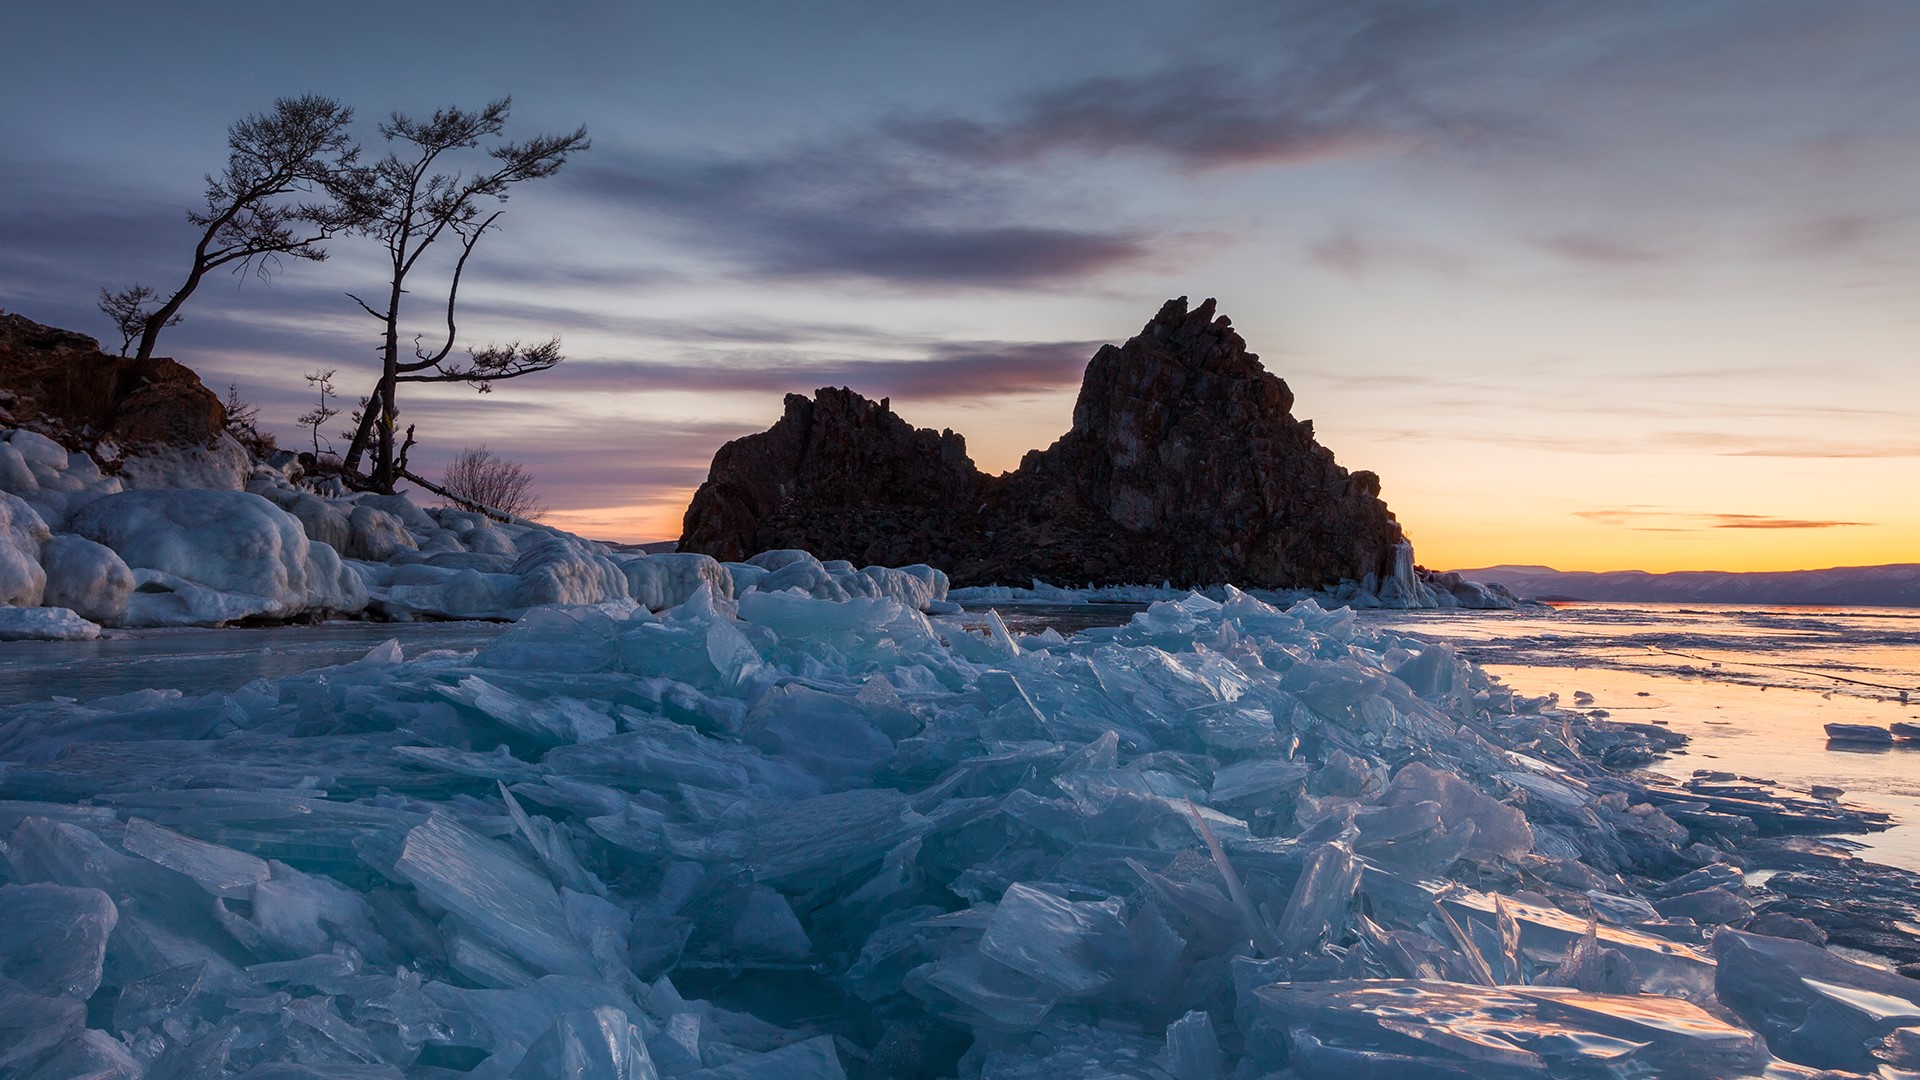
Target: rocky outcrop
[151,420]
[1184,464]
[841,476]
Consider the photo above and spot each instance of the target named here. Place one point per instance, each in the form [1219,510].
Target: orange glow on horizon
[636,523]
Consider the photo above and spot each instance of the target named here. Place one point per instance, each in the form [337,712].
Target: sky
[1595,286]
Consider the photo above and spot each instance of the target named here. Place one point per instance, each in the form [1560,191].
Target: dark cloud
[947,371]
[1198,118]
[857,210]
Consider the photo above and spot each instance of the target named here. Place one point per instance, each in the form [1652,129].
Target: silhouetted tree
[301,146]
[479,477]
[129,309]
[408,205]
[322,382]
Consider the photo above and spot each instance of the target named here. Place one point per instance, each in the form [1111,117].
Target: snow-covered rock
[376,535]
[207,556]
[22,581]
[88,577]
[658,582]
[323,519]
[563,569]
[54,481]
[45,624]
[221,465]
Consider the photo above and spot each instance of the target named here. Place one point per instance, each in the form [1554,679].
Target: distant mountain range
[1896,585]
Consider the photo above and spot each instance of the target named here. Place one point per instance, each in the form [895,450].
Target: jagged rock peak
[1184,463]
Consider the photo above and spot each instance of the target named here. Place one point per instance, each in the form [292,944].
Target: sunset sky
[1598,286]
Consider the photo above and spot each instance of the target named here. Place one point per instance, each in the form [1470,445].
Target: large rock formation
[1184,464]
[843,477]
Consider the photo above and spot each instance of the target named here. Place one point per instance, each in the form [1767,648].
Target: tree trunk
[156,322]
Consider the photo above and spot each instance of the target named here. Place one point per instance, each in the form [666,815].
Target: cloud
[860,209]
[1647,519]
[1725,445]
[1757,521]
[1600,248]
[947,371]
[1199,118]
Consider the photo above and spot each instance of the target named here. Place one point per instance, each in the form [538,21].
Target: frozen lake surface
[1752,686]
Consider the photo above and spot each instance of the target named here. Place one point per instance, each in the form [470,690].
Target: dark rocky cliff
[1184,464]
[62,385]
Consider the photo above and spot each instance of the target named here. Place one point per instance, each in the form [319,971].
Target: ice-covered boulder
[920,587]
[22,533]
[45,624]
[658,582]
[204,556]
[400,507]
[477,533]
[422,589]
[376,535]
[563,569]
[323,519]
[52,479]
[220,464]
[88,577]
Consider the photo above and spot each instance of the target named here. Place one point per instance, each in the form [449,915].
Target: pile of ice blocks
[792,837]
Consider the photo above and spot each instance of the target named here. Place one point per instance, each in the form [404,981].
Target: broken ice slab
[588,1044]
[1319,900]
[53,939]
[813,1059]
[500,1020]
[1344,1029]
[1059,942]
[1499,830]
[973,989]
[1546,933]
[1701,806]
[1869,734]
[808,843]
[1813,1006]
[1257,778]
[1193,1049]
[145,1002]
[555,721]
[220,870]
[31,1025]
[508,903]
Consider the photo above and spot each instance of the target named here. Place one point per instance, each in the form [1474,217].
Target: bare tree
[408,205]
[301,146]
[315,418]
[129,309]
[479,477]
